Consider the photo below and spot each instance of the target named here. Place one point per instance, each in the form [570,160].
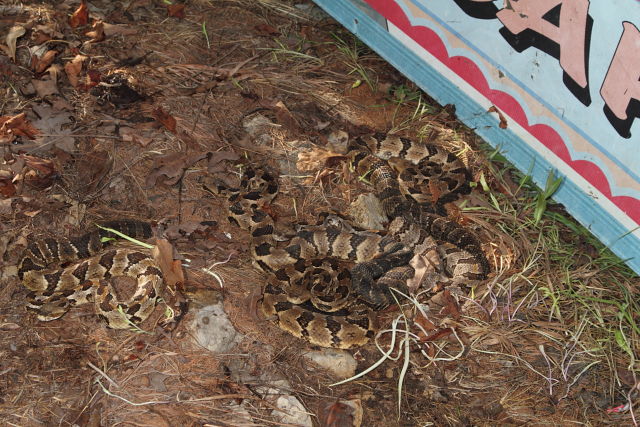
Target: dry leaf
[503,120]
[215,160]
[92,167]
[15,33]
[165,119]
[266,30]
[176,10]
[96,33]
[11,127]
[172,167]
[38,37]
[133,135]
[171,269]
[81,16]
[45,88]
[284,116]
[426,324]
[53,124]
[60,104]
[44,33]
[73,69]
[451,306]
[156,381]
[45,61]
[339,414]
[43,166]
[444,332]
[54,72]
[7,188]
[41,172]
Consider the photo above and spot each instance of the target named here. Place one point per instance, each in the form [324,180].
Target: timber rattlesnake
[54,290]
[326,282]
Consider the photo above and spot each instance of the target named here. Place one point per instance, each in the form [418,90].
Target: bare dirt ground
[551,338]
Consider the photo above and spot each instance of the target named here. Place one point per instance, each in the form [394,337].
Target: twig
[216,275]
[101,372]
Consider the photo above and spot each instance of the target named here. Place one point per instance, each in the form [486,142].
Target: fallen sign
[553,85]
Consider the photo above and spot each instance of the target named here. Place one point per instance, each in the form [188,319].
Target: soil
[142,105]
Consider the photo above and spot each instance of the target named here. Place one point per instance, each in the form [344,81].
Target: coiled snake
[325,284]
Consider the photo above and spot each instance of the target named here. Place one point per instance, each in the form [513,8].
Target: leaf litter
[145,112]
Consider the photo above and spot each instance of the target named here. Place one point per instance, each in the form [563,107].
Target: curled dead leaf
[284,116]
[43,33]
[97,32]
[426,324]
[46,60]
[73,69]
[40,172]
[11,127]
[165,119]
[14,34]
[54,72]
[81,16]
[171,269]
[503,120]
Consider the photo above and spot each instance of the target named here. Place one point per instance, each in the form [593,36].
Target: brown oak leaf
[11,127]
[81,16]
[73,69]
[96,33]
[176,10]
[46,60]
[15,33]
[171,269]
[169,168]
[165,119]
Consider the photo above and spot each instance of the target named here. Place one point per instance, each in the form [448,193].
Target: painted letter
[561,28]
[479,9]
[621,87]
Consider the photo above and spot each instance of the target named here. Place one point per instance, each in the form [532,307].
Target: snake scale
[326,283]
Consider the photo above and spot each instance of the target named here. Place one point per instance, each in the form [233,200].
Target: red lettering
[569,34]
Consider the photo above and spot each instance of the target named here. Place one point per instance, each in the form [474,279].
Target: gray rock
[339,362]
[213,330]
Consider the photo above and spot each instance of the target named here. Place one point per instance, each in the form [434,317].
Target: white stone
[339,362]
[213,330]
[291,412]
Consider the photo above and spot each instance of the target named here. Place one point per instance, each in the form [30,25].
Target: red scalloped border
[471,73]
